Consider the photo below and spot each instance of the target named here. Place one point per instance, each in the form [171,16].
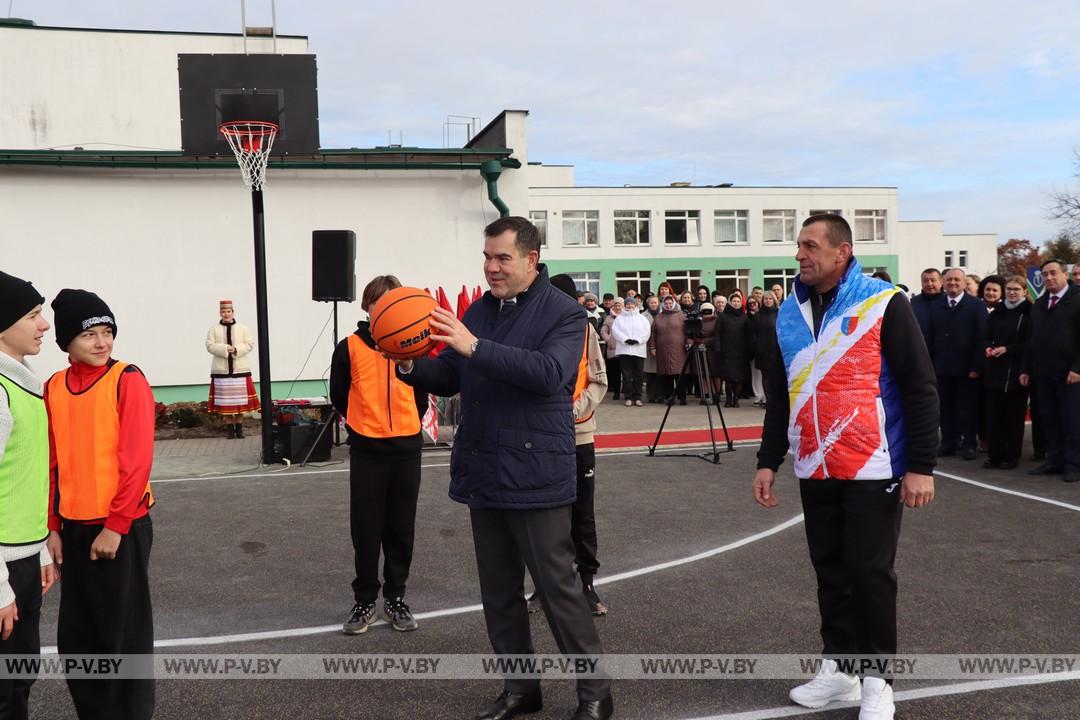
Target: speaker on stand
[333,279]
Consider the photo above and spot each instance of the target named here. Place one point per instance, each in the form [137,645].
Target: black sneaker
[595,604]
[533,603]
[398,615]
[361,615]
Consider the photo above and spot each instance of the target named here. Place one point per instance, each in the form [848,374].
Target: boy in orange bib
[101,428]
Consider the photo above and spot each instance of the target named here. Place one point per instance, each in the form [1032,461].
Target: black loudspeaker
[296,441]
[333,265]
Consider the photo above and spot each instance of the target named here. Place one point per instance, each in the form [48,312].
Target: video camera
[694,326]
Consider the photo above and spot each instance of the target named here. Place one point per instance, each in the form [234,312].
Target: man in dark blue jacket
[954,337]
[1052,360]
[930,278]
[514,358]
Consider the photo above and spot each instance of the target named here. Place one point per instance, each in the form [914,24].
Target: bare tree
[1066,205]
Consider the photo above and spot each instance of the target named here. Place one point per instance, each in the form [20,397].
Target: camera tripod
[697,355]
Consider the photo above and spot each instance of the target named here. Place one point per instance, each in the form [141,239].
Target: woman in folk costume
[232,392]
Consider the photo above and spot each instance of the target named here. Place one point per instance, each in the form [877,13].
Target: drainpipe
[490,171]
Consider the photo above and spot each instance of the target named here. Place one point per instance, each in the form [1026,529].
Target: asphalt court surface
[980,572]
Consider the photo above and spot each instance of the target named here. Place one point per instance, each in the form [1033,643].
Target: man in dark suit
[514,358]
[931,293]
[955,331]
[1053,362]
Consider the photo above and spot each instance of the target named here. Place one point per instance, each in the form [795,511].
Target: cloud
[944,100]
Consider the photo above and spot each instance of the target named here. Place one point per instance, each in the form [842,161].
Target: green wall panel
[170,394]
[659,267]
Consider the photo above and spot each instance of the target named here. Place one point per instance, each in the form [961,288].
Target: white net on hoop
[251,142]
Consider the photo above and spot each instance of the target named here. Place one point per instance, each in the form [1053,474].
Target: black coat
[955,337]
[732,345]
[1010,329]
[1054,349]
[920,305]
[763,332]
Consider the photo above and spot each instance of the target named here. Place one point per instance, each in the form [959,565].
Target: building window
[948,259]
[683,280]
[586,282]
[539,219]
[826,212]
[730,226]
[729,280]
[579,227]
[631,227]
[783,276]
[681,227]
[639,281]
[778,226]
[963,259]
[869,226]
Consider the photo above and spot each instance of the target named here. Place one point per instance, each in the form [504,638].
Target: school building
[612,239]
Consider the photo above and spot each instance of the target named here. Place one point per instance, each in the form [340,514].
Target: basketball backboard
[281,89]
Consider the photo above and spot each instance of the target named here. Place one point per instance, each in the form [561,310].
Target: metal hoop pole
[266,396]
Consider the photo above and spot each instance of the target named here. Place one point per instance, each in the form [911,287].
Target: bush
[161,414]
[185,417]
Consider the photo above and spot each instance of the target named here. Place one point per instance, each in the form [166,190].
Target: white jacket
[217,346]
[630,326]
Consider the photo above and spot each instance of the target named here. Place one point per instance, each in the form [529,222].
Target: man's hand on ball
[446,328]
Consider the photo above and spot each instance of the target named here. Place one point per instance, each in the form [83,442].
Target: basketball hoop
[250,141]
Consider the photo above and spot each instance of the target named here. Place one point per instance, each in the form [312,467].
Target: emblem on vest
[848,324]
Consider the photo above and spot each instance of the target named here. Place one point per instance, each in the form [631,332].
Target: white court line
[1017,493]
[702,555]
[905,695]
[320,629]
[287,472]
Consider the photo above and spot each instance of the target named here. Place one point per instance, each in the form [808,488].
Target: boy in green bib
[26,567]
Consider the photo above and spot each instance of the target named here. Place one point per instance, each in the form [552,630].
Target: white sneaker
[826,687]
[877,702]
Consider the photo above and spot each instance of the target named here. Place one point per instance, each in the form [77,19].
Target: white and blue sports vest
[846,420]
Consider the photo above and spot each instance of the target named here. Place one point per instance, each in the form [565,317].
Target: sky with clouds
[972,109]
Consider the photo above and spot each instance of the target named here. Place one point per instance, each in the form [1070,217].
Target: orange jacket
[380,405]
[101,431]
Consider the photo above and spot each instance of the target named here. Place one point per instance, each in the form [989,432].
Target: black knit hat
[565,283]
[17,297]
[76,311]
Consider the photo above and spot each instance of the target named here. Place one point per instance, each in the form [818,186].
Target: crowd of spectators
[649,344]
[999,357]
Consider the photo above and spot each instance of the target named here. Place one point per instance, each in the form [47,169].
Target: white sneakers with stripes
[829,685]
[877,700]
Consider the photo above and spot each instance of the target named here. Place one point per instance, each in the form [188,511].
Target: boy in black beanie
[26,567]
[99,518]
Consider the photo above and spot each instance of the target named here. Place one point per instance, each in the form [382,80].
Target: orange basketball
[399,323]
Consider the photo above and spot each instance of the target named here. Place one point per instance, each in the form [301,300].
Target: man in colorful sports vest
[26,567]
[101,424]
[855,400]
